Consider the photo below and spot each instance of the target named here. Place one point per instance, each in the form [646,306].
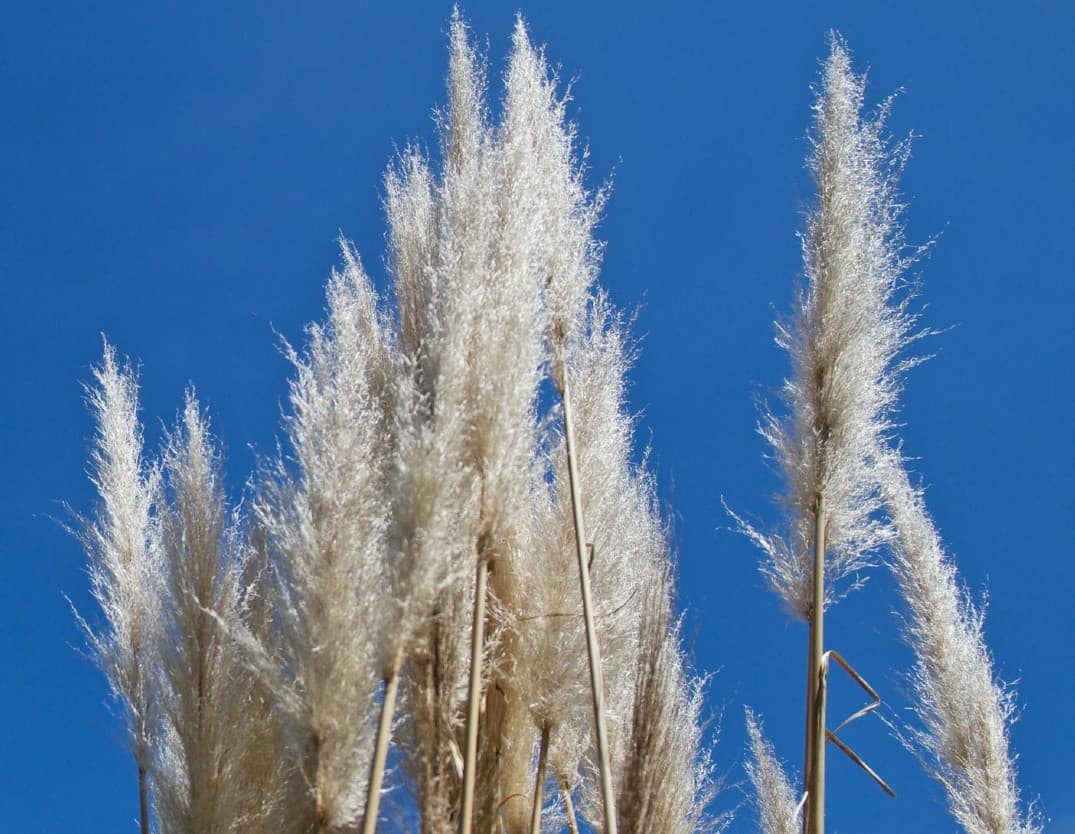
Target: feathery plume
[626,555]
[431,500]
[121,542]
[773,795]
[201,707]
[666,783]
[843,338]
[220,766]
[466,248]
[540,148]
[325,525]
[965,712]
[274,791]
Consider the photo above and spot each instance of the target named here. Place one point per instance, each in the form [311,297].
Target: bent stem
[477,640]
[380,753]
[539,782]
[814,822]
[592,649]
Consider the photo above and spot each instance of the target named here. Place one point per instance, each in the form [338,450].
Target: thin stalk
[815,738]
[477,639]
[808,724]
[569,809]
[539,782]
[143,801]
[380,753]
[597,684]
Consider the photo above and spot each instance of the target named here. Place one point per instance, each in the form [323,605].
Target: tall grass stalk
[815,732]
[569,810]
[477,631]
[593,650]
[325,519]
[539,782]
[380,751]
[843,338]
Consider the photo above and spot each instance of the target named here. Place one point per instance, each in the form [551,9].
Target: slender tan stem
[597,684]
[569,809]
[380,752]
[539,782]
[808,724]
[477,640]
[143,800]
[815,739]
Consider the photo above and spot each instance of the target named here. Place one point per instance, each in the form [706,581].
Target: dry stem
[592,649]
[470,760]
[380,753]
[143,803]
[539,782]
[815,737]
[569,810]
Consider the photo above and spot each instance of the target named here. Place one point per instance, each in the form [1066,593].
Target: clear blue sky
[175,175]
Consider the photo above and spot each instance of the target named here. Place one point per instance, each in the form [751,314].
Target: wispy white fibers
[965,712]
[121,541]
[843,337]
[269,729]
[774,798]
[538,135]
[666,783]
[324,521]
[434,487]
[191,792]
[214,771]
[628,553]
[542,158]
[467,260]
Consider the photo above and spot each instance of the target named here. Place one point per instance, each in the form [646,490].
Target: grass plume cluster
[395,608]
[847,495]
[446,604]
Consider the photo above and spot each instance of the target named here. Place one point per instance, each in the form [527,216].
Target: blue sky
[175,175]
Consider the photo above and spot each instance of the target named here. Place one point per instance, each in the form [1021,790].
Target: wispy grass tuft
[774,798]
[324,522]
[844,335]
[965,712]
[122,542]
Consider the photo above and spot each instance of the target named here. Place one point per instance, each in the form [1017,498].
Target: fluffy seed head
[122,544]
[773,795]
[843,338]
[965,713]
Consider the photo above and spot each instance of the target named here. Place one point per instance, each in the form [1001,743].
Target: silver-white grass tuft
[324,520]
[965,712]
[219,765]
[843,337]
[626,534]
[472,258]
[265,756]
[774,799]
[548,172]
[125,569]
[417,464]
[196,788]
[667,781]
